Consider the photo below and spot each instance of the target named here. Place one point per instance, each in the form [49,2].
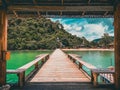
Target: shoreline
[89,49]
[79,49]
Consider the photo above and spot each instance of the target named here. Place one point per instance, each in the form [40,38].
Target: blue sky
[90,28]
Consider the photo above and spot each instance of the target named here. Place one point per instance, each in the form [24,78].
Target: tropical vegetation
[42,33]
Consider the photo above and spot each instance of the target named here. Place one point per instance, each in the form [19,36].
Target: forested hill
[42,33]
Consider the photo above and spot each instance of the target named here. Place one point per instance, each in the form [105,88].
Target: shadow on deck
[62,86]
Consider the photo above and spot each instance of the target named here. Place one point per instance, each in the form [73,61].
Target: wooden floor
[59,68]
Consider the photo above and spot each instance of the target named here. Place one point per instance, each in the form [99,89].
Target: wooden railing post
[95,79]
[36,65]
[43,61]
[80,65]
[92,78]
[21,77]
[73,60]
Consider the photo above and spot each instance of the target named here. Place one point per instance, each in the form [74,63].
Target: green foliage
[42,33]
[104,42]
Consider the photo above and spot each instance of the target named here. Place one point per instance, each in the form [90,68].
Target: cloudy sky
[90,28]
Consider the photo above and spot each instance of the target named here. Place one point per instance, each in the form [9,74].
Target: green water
[100,59]
[20,58]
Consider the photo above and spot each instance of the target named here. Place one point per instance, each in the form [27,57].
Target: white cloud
[71,27]
[88,28]
[111,34]
[67,27]
[90,31]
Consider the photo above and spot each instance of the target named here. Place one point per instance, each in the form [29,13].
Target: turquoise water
[18,59]
[100,59]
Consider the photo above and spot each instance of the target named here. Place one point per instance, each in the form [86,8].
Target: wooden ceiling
[58,8]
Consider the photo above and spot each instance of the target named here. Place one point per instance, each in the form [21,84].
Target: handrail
[26,66]
[89,66]
[104,73]
[21,71]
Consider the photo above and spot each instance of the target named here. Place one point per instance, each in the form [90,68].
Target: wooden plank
[59,68]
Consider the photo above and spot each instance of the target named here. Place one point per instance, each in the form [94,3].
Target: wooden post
[21,80]
[36,65]
[117,45]
[95,79]
[3,46]
[92,78]
[80,65]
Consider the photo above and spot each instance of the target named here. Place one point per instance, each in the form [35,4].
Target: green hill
[97,40]
[40,33]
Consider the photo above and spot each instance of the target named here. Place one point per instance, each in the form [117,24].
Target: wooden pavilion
[58,8]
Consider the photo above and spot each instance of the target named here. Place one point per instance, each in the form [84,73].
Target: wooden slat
[59,68]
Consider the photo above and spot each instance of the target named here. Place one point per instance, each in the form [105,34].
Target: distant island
[42,33]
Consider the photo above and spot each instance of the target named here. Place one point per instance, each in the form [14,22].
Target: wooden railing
[21,71]
[106,75]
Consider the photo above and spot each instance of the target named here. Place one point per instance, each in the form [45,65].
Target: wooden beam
[38,13]
[89,1]
[62,1]
[60,13]
[105,13]
[16,15]
[34,1]
[117,46]
[3,46]
[4,4]
[83,13]
[61,8]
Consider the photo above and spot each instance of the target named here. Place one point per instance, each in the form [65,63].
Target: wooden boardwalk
[59,68]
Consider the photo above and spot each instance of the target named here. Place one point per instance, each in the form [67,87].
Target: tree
[105,40]
[85,42]
[33,33]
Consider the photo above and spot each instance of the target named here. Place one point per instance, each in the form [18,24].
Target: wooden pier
[59,71]
[59,68]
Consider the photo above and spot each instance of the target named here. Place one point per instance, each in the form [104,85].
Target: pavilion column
[3,46]
[117,45]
